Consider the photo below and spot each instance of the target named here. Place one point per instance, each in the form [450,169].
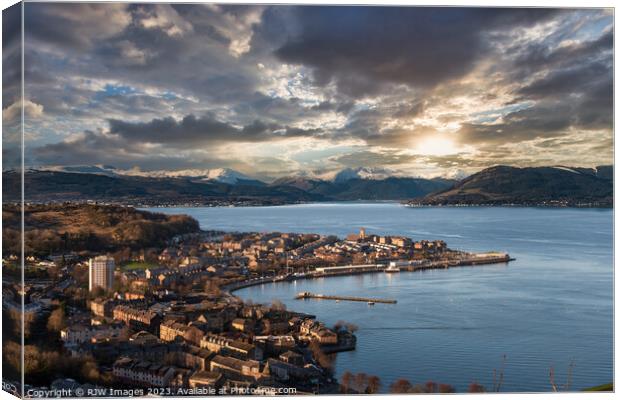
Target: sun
[437,146]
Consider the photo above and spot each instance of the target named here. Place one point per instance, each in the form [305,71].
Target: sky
[272,91]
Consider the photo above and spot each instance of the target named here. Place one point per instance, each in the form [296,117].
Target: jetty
[308,295]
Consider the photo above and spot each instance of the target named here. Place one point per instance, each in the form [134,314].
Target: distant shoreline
[399,202]
[403,203]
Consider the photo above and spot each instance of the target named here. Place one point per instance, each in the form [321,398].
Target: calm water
[551,307]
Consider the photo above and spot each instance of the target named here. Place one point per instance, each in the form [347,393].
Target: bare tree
[374,384]
[361,381]
[345,382]
[445,388]
[554,387]
[277,305]
[401,386]
[498,376]
[56,320]
[475,387]
[569,378]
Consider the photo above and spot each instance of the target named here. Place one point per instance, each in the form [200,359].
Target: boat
[392,269]
[371,303]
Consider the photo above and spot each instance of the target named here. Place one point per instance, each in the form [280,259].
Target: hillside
[502,185]
[71,227]
[366,189]
[54,186]
[59,186]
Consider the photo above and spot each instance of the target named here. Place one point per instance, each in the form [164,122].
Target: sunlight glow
[437,146]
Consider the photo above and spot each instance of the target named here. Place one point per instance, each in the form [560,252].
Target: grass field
[137,265]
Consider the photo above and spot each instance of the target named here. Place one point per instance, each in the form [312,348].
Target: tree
[401,386]
[351,327]
[277,305]
[445,388]
[345,383]
[374,384]
[361,382]
[56,320]
[475,387]
[325,361]
[338,325]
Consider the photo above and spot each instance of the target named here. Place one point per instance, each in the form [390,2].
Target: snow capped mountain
[83,169]
[223,175]
[227,175]
[372,173]
[231,177]
[456,174]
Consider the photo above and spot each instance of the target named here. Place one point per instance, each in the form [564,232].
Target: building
[142,373]
[283,371]
[138,319]
[292,357]
[243,325]
[190,357]
[234,367]
[243,350]
[77,334]
[316,331]
[100,272]
[201,379]
[170,330]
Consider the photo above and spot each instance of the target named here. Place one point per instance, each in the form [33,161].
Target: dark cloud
[192,130]
[11,54]
[98,148]
[365,48]
[75,26]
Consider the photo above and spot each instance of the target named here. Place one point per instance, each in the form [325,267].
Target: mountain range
[228,175]
[499,185]
[216,186]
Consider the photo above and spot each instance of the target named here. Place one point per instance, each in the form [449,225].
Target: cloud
[12,113]
[374,159]
[165,18]
[364,49]
[76,25]
[192,130]
[293,87]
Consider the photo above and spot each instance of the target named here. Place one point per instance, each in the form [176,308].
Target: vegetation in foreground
[63,228]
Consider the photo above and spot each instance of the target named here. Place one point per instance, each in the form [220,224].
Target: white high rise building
[100,272]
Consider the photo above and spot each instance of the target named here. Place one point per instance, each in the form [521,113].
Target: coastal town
[167,320]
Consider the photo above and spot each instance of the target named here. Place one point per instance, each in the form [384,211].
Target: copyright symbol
[79,392]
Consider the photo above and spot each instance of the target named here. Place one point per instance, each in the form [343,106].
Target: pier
[308,295]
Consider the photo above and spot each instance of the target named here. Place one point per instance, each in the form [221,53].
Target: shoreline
[398,202]
[402,202]
[380,268]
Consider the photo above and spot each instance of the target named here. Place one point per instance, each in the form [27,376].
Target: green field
[137,265]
